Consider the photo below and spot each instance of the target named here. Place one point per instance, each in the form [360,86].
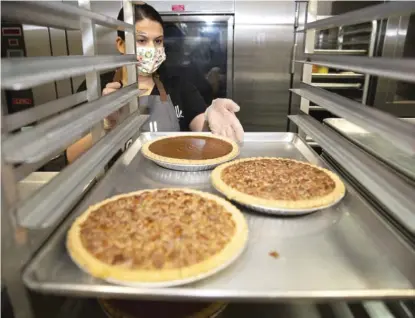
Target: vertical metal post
[340,38]
[130,48]
[14,241]
[89,48]
[4,109]
[293,58]
[15,246]
[370,54]
[309,40]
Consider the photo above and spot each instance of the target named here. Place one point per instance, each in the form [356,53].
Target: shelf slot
[47,206]
[376,12]
[348,43]
[394,193]
[401,133]
[26,72]
[56,14]
[56,133]
[340,52]
[338,85]
[383,150]
[337,75]
[354,32]
[399,69]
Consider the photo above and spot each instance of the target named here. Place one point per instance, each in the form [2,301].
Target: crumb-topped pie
[278,183]
[191,149]
[154,236]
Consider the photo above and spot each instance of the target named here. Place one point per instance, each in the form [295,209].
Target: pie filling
[157,230]
[191,147]
[278,179]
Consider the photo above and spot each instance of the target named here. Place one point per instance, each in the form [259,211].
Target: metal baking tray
[347,251]
[376,145]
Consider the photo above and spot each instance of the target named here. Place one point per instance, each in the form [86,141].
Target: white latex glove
[222,120]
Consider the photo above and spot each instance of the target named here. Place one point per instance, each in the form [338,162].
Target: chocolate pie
[157,236]
[191,149]
[278,183]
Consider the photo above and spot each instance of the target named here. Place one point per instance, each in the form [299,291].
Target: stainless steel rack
[381,148]
[28,222]
[348,252]
[378,179]
[354,39]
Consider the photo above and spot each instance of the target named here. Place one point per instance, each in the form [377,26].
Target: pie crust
[100,269]
[164,159]
[336,193]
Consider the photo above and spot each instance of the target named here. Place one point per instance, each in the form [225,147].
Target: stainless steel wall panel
[394,41]
[264,12]
[38,44]
[59,48]
[75,48]
[263,43]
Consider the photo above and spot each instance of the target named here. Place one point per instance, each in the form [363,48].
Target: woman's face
[149,33]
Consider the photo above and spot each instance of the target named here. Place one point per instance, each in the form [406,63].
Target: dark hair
[142,11]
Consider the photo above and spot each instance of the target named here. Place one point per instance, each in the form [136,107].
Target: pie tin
[172,283]
[190,167]
[174,177]
[282,211]
[288,212]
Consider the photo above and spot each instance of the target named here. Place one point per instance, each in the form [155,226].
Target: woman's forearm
[78,148]
[199,123]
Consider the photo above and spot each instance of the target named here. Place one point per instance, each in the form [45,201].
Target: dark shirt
[187,100]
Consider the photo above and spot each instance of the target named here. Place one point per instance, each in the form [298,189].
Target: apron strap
[159,84]
[118,76]
[160,87]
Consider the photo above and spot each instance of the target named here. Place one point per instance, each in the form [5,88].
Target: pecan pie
[191,149]
[278,183]
[160,235]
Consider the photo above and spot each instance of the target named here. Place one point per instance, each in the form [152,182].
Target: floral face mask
[150,59]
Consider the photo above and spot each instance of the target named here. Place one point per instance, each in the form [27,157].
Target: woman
[173,103]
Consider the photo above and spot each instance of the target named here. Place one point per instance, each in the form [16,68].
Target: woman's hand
[111,120]
[222,120]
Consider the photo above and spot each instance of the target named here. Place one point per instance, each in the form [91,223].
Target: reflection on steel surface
[342,252]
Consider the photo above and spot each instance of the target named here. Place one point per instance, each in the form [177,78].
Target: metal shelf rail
[21,73]
[59,15]
[385,10]
[397,197]
[391,128]
[392,192]
[26,224]
[403,69]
